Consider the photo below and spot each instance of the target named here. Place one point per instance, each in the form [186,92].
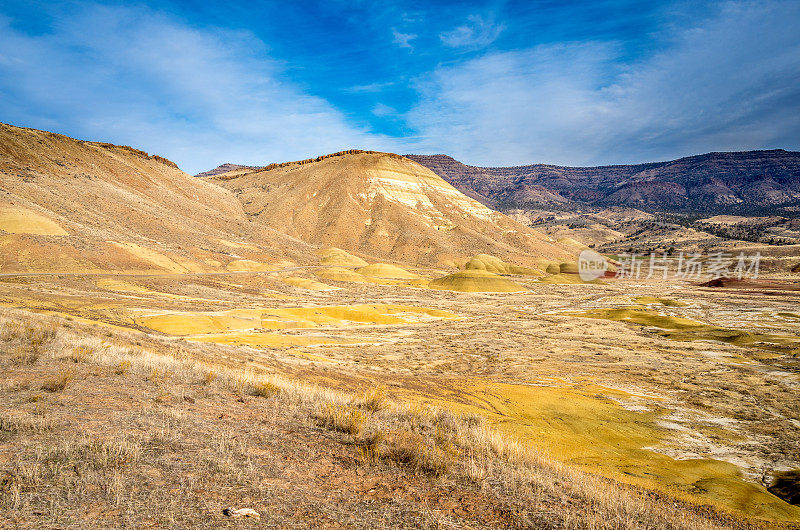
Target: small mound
[306,283]
[476,281]
[488,263]
[387,271]
[247,265]
[16,220]
[550,267]
[339,258]
[339,274]
[642,317]
[569,267]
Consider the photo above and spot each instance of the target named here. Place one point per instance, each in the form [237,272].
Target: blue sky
[490,83]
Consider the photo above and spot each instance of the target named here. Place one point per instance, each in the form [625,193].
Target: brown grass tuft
[25,357]
[373,400]
[59,383]
[265,389]
[411,450]
[81,354]
[123,367]
[342,418]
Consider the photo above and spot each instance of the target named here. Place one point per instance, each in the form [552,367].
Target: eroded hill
[383,205]
[69,205]
[76,206]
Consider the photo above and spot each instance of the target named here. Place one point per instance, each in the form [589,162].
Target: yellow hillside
[476,281]
[382,205]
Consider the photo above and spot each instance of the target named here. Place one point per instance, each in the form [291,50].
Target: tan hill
[476,281]
[71,205]
[382,205]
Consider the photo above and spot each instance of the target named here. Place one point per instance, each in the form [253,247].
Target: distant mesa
[747,181]
[223,168]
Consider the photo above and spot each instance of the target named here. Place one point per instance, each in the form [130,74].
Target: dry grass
[373,400]
[342,418]
[19,423]
[413,450]
[424,441]
[60,382]
[263,389]
[82,354]
[123,367]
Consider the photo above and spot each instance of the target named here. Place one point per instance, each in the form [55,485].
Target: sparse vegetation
[372,400]
[342,418]
[263,389]
[431,448]
[81,354]
[123,367]
[58,383]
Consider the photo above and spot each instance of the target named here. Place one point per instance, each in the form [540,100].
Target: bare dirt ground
[686,391]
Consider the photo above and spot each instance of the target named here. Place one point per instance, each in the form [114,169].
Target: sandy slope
[71,205]
[383,205]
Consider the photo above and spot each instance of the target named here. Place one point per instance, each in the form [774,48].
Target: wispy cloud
[403,39]
[478,32]
[382,110]
[369,88]
[731,83]
[142,78]
[202,95]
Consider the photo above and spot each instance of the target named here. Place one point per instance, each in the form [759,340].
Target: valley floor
[164,399]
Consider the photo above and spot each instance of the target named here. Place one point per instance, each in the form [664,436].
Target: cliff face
[749,180]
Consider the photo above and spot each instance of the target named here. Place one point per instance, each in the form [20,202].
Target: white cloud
[368,88]
[731,84]
[206,96]
[478,32]
[403,39]
[200,97]
[381,110]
